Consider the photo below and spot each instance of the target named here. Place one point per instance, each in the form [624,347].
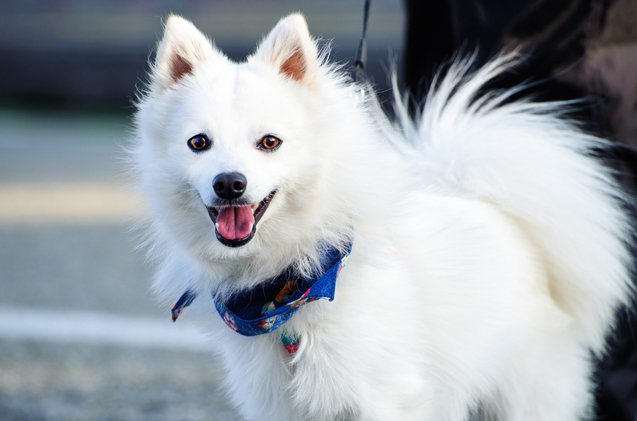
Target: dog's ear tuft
[181,48]
[290,49]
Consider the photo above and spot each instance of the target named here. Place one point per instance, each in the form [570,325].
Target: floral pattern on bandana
[269,305]
[229,319]
[288,293]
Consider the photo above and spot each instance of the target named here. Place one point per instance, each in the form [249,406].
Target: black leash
[361,54]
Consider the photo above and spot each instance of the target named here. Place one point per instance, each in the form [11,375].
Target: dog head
[239,158]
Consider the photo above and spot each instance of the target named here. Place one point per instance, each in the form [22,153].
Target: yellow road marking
[41,203]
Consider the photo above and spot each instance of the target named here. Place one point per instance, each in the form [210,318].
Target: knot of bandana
[269,305]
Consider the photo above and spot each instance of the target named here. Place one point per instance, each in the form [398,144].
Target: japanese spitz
[472,259]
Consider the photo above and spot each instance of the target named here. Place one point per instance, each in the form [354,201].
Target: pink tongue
[235,223]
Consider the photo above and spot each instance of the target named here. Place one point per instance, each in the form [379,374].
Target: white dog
[469,261]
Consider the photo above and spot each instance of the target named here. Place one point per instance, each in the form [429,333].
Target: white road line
[99,329]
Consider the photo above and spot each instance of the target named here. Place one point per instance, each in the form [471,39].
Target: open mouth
[235,225]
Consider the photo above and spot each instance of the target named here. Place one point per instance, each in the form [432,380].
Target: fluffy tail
[538,167]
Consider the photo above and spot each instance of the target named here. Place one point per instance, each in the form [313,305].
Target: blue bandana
[266,307]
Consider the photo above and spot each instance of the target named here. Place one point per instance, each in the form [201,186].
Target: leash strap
[361,54]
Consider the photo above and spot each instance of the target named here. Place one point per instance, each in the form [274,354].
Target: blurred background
[80,335]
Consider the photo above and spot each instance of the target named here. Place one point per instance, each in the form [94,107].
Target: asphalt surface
[81,337]
[51,381]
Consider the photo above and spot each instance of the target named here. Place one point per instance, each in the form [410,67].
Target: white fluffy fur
[489,248]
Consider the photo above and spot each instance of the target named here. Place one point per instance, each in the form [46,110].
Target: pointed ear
[180,49]
[289,48]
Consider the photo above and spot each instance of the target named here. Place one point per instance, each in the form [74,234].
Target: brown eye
[269,143]
[199,142]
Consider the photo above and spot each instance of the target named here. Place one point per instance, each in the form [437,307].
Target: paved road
[80,335]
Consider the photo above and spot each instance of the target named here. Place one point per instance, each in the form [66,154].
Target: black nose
[229,185]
